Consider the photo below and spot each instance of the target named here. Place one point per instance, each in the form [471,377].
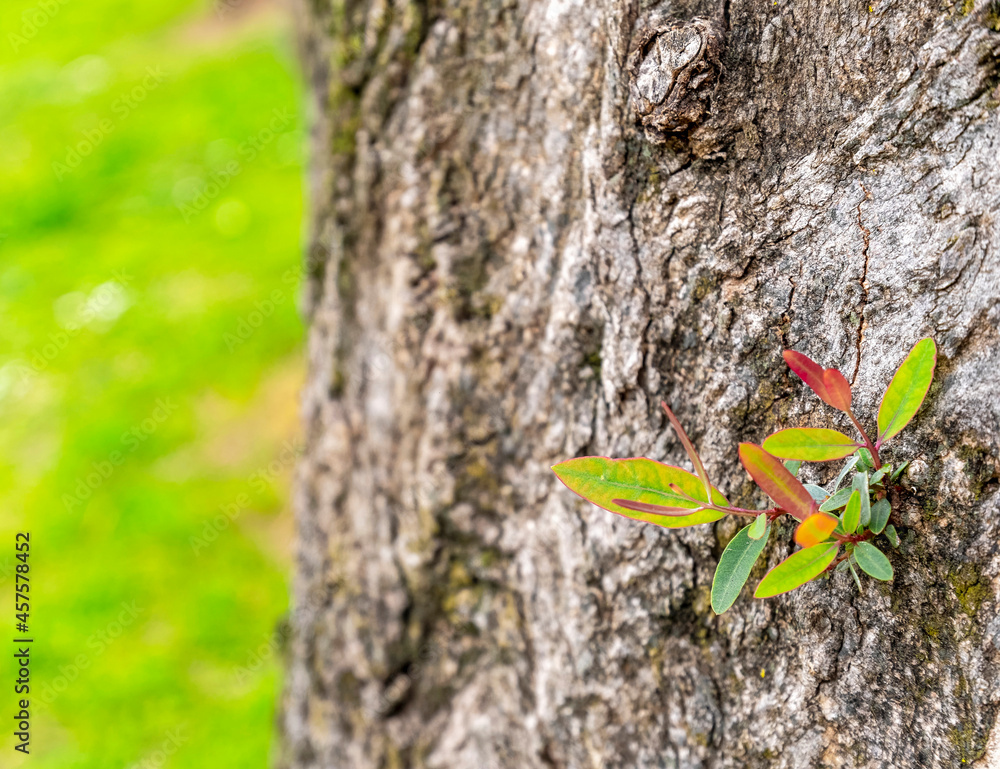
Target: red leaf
[780,485]
[809,371]
[828,383]
[815,529]
[838,388]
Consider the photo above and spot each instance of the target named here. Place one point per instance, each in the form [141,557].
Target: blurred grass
[149,365]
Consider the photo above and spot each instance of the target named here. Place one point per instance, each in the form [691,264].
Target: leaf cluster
[839,525]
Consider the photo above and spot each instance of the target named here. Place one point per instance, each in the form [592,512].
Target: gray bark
[507,272]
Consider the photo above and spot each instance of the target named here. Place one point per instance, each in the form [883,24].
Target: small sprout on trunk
[671,497]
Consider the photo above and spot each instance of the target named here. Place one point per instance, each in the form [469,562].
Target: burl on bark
[673,71]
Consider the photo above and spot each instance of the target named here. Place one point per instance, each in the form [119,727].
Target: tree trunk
[507,271]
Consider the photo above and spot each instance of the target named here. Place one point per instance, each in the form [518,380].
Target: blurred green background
[151,202]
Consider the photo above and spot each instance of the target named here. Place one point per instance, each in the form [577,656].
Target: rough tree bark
[506,272]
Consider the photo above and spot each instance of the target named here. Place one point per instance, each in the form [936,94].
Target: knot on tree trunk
[673,71]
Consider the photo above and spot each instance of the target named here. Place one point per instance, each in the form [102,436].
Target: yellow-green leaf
[601,480]
[907,390]
[810,444]
[796,570]
[860,484]
[852,513]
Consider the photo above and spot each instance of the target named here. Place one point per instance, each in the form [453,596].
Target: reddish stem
[772,512]
[868,443]
[854,538]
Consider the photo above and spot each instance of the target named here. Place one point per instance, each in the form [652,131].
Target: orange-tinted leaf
[838,389]
[780,485]
[815,529]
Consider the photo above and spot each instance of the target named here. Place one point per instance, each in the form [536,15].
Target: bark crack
[787,317]
[863,282]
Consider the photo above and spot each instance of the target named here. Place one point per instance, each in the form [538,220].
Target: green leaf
[867,462]
[842,566]
[880,515]
[734,567]
[758,527]
[779,484]
[898,471]
[796,570]
[879,474]
[857,579]
[844,471]
[817,492]
[891,535]
[601,480]
[860,482]
[810,444]
[873,561]
[907,390]
[836,501]
[852,513]
[792,466]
